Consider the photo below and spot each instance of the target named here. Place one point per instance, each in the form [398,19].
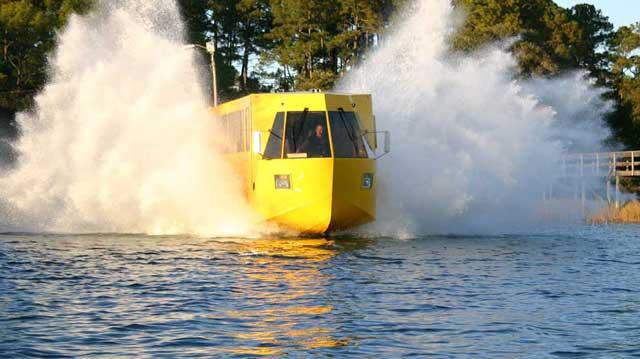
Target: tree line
[553,40]
[284,45]
[292,44]
[27,36]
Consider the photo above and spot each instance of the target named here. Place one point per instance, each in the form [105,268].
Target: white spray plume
[121,139]
[473,148]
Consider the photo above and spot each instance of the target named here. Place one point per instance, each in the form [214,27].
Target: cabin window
[347,135]
[306,135]
[235,125]
[274,145]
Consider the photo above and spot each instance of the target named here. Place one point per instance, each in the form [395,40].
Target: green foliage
[302,31]
[625,74]
[194,14]
[255,21]
[551,39]
[596,32]
[296,44]
[264,45]
[27,35]
[317,41]
[237,28]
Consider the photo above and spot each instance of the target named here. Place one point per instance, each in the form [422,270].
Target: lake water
[571,292]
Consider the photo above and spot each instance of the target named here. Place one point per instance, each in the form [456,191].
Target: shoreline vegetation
[628,213]
[592,212]
[8,133]
[285,45]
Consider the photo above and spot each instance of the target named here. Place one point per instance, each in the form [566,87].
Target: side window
[235,126]
[306,135]
[274,145]
[235,129]
[347,136]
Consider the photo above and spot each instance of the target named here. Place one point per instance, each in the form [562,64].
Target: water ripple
[550,295]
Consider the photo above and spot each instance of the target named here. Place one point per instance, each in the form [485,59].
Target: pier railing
[611,167]
[605,164]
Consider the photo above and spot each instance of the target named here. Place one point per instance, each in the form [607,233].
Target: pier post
[612,166]
[617,192]
[583,198]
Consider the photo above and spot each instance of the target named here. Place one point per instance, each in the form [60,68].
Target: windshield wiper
[351,136]
[275,134]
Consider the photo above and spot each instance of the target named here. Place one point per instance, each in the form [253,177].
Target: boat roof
[287,94]
[309,93]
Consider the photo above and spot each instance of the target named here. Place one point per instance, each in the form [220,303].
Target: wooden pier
[605,164]
[610,166]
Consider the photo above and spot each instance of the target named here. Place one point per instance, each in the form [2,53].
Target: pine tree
[625,121]
[27,35]
[551,39]
[254,22]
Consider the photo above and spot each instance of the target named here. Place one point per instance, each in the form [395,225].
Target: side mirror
[387,142]
[257,143]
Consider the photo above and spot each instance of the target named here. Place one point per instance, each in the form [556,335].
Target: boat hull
[325,194]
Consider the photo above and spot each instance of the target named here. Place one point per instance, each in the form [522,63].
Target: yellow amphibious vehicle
[308,160]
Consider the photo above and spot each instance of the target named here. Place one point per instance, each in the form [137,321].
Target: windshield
[347,136]
[274,145]
[306,135]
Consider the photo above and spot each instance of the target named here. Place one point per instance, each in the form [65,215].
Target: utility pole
[211,49]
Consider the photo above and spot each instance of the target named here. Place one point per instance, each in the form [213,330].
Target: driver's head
[319,131]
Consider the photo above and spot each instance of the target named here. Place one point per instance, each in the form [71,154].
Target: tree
[315,42]
[195,16]
[28,31]
[596,34]
[301,32]
[551,39]
[305,44]
[625,57]
[357,33]
[254,22]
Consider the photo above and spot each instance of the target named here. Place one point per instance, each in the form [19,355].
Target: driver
[316,144]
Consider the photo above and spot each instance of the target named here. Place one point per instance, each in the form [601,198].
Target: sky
[620,12]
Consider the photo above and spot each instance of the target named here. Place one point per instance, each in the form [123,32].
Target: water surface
[563,293]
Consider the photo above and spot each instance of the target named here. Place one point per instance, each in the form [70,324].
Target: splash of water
[473,148]
[121,139]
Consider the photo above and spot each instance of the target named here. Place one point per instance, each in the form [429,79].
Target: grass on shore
[628,213]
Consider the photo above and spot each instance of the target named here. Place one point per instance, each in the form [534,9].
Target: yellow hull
[325,195]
